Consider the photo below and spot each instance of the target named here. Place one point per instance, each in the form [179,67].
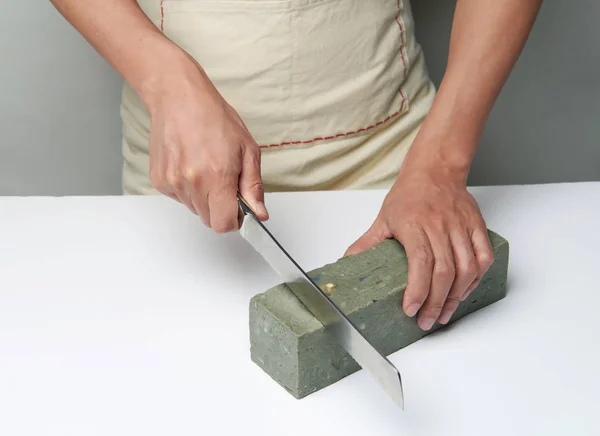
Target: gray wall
[59,107]
[545,126]
[59,102]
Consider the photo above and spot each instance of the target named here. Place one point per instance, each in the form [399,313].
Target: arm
[487,38]
[201,152]
[122,34]
[429,209]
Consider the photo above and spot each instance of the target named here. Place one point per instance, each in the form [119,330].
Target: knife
[319,304]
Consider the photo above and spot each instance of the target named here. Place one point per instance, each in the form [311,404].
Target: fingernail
[426,323]
[261,209]
[445,317]
[412,309]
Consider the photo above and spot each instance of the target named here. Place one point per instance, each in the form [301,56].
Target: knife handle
[243,210]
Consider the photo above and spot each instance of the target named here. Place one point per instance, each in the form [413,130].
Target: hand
[201,152]
[440,225]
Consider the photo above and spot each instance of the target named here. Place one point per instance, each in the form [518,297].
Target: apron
[333,91]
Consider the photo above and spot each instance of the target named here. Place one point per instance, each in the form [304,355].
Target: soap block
[296,350]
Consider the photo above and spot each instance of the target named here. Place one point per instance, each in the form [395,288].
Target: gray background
[59,102]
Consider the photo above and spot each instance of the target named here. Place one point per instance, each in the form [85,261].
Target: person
[284,95]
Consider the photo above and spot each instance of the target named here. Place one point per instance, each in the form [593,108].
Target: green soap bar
[294,348]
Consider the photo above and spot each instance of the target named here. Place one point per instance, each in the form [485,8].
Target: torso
[317,82]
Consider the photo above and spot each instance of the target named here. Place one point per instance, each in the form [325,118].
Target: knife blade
[319,304]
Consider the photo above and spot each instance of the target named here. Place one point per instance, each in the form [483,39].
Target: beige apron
[334,91]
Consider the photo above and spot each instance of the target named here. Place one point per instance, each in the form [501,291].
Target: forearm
[486,41]
[120,31]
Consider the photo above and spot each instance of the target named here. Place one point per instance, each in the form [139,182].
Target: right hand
[201,152]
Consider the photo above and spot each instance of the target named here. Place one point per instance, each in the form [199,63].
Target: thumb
[251,185]
[369,239]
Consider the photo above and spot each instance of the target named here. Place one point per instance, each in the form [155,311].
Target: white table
[125,316]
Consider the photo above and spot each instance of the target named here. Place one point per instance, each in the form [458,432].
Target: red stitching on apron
[402,44]
[372,126]
[162,17]
[354,132]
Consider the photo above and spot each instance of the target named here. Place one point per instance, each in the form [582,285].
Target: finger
[441,279]
[171,195]
[251,184]
[184,197]
[200,202]
[175,184]
[196,197]
[373,236]
[157,176]
[192,192]
[420,268]
[484,254]
[466,272]
[223,204]
[470,289]
[189,204]
[164,182]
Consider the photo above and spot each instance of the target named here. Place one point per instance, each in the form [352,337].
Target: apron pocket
[349,65]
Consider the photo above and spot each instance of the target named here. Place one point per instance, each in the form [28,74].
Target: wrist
[173,75]
[446,142]
[439,159]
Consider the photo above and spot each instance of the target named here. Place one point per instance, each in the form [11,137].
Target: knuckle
[191,174]
[437,220]
[423,255]
[204,167]
[433,309]
[486,259]
[219,171]
[256,185]
[209,166]
[469,269]
[452,302]
[220,168]
[444,270]
[409,223]
[174,182]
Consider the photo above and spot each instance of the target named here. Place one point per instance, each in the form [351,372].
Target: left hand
[431,213]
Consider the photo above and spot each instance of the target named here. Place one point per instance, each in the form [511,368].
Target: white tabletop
[124,316]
